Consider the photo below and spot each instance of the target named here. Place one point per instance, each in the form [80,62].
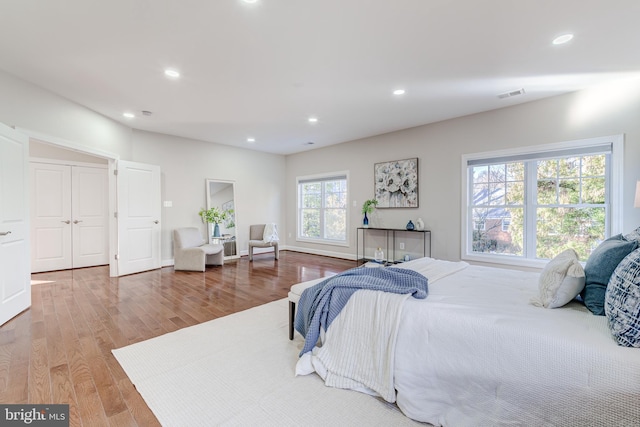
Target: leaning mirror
[221,196]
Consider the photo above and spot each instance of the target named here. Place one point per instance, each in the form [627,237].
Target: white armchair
[191,252]
[257,239]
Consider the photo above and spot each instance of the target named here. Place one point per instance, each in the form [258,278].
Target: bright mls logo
[34,415]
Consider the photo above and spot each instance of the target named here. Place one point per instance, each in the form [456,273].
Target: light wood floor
[59,351]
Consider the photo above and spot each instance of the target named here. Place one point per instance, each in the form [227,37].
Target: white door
[69,217]
[138,210]
[15,283]
[90,212]
[51,217]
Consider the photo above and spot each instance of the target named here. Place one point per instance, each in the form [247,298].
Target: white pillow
[561,280]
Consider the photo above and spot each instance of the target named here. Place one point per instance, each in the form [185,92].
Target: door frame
[112,159]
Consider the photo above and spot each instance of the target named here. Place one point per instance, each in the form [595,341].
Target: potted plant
[215,216]
[367,208]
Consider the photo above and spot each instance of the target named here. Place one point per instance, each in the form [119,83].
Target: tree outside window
[536,208]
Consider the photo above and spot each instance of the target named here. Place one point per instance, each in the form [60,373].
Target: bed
[476,352]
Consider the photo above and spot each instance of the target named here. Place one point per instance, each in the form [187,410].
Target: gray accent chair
[256,240]
[192,253]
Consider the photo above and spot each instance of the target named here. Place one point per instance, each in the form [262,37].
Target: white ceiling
[260,70]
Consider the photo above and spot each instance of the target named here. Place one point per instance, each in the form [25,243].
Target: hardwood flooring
[59,351]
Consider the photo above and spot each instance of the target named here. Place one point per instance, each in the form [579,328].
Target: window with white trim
[535,204]
[322,208]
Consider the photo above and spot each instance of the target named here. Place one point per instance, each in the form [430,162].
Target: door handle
[156,221]
[4,233]
[66,222]
[76,221]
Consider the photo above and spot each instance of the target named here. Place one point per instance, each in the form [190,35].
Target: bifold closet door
[69,217]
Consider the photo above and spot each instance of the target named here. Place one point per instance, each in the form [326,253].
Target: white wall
[610,110]
[30,107]
[185,165]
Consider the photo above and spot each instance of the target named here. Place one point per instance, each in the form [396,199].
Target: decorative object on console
[378,256]
[367,208]
[215,216]
[419,224]
[410,225]
[396,183]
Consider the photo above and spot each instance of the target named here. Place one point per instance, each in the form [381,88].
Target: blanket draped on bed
[320,304]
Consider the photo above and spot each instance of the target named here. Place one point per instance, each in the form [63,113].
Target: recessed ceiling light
[171,73]
[399,92]
[562,39]
[129,115]
[250,1]
[313,120]
[251,140]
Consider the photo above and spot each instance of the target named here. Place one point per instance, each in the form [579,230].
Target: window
[322,209]
[525,205]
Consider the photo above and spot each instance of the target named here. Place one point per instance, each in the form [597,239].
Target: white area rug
[240,370]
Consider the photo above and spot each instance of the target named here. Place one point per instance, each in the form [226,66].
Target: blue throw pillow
[600,266]
[622,301]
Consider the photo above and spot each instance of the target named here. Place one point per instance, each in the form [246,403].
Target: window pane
[593,165]
[480,194]
[547,169]
[496,194]
[561,228]
[569,167]
[515,193]
[490,234]
[547,192]
[568,191]
[515,171]
[481,174]
[310,223]
[593,190]
[311,201]
[335,224]
[497,173]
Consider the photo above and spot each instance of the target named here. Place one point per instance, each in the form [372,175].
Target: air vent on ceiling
[512,93]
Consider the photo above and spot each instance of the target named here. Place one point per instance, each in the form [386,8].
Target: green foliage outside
[569,212]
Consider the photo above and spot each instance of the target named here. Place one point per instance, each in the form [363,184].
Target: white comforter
[364,360]
[475,352]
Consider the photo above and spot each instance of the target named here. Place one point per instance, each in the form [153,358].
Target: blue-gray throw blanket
[322,303]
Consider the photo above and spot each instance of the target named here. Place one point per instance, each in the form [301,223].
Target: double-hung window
[322,208]
[526,205]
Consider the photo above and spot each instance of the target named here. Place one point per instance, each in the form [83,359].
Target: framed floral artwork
[396,183]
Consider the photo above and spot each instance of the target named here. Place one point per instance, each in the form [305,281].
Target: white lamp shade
[637,202]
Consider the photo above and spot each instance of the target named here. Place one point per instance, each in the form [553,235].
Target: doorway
[69,215]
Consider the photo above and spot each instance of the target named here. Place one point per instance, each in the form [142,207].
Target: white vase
[419,224]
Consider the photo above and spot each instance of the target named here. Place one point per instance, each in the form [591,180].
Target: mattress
[476,352]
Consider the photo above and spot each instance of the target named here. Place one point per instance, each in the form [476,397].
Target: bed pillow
[599,268]
[634,235]
[622,301]
[561,280]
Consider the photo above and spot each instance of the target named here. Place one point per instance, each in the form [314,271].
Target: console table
[391,236]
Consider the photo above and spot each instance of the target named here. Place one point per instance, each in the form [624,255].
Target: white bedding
[475,352]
